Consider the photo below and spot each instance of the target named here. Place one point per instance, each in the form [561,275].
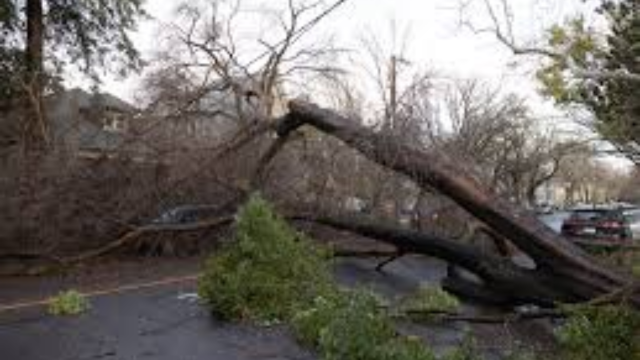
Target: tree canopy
[601,71]
[86,34]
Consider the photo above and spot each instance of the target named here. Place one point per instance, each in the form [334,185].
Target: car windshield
[633,215]
[593,215]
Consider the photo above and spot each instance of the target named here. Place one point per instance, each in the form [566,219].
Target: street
[168,323]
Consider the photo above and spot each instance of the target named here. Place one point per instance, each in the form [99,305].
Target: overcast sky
[435,39]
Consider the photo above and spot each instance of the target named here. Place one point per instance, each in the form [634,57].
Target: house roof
[87,100]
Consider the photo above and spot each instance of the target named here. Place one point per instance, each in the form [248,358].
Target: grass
[354,325]
[68,303]
[609,332]
[426,302]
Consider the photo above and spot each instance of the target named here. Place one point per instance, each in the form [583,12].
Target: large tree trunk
[35,130]
[510,283]
[35,36]
[558,262]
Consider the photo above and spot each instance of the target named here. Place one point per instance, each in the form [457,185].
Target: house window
[114,123]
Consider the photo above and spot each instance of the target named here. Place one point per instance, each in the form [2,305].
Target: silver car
[632,217]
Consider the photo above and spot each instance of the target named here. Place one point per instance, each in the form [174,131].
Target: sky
[429,31]
[435,39]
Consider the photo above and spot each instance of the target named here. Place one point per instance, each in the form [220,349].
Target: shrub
[309,324]
[352,325]
[356,329]
[468,350]
[268,273]
[404,348]
[69,302]
[601,333]
[428,300]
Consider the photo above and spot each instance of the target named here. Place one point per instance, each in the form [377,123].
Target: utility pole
[393,92]
[392,110]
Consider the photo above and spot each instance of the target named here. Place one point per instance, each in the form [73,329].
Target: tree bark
[35,36]
[557,260]
[508,282]
[35,126]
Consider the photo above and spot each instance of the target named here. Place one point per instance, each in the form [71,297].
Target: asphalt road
[167,323]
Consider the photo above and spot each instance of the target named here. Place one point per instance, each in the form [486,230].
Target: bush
[270,271]
[467,350]
[601,333]
[635,269]
[309,324]
[356,329]
[352,325]
[427,301]
[404,348]
[69,302]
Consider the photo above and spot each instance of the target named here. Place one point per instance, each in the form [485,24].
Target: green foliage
[358,326]
[69,302]
[601,333]
[10,65]
[353,325]
[308,324]
[404,348]
[466,351]
[521,355]
[577,48]
[96,32]
[268,273]
[635,269]
[580,67]
[91,33]
[429,300]
[557,35]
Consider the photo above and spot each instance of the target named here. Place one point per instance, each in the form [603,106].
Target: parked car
[185,214]
[544,209]
[179,243]
[633,220]
[605,223]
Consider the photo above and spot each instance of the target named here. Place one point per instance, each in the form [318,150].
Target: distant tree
[600,71]
[495,136]
[595,67]
[40,33]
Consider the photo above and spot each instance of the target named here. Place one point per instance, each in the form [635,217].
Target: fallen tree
[563,272]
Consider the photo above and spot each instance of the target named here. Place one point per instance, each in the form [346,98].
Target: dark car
[186,214]
[179,243]
[601,223]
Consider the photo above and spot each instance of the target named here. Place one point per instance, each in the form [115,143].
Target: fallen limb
[445,316]
[55,263]
[500,276]
[563,271]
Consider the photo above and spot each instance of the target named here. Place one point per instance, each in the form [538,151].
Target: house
[88,125]
[210,118]
[94,125]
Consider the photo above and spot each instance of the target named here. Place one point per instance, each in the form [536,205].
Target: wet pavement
[167,322]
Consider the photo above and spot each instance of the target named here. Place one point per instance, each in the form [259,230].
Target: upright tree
[616,101]
[40,36]
[600,71]
[595,67]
